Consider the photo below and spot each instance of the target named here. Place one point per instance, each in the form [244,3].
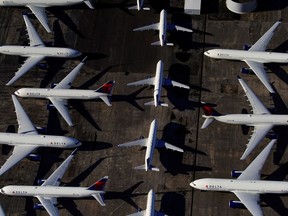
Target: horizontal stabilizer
[106,100]
[158,43]
[207,121]
[99,198]
[152,103]
[143,167]
[88,3]
[133,7]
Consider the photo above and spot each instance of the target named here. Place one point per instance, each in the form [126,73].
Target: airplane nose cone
[2,191]
[192,184]
[207,53]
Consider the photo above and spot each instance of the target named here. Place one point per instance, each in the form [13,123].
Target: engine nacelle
[50,106]
[236,173]
[40,181]
[236,204]
[43,66]
[246,47]
[41,130]
[53,85]
[246,71]
[34,157]
[38,206]
[271,135]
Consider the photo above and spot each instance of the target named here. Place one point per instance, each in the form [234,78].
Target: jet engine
[236,173]
[41,130]
[34,157]
[246,47]
[38,206]
[246,71]
[40,181]
[43,66]
[236,204]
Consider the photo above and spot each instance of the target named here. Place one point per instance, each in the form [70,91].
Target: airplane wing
[178,28]
[148,27]
[162,144]
[49,205]
[169,82]
[250,201]
[139,142]
[55,177]
[19,152]
[260,72]
[40,13]
[34,38]
[29,63]
[61,106]
[253,171]
[25,126]
[257,105]
[149,81]
[67,81]
[258,134]
[262,43]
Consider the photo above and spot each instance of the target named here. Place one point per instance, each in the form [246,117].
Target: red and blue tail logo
[107,87]
[99,185]
[209,111]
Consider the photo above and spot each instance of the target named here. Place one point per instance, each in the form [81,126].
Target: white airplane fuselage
[242,55]
[150,204]
[39,3]
[158,83]
[151,142]
[59,93]
[253,119]
[14,139]
[235,185]
[28,51]
[162,27]
[47,191]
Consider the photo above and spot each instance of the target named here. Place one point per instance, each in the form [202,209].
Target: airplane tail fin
[209,111]
[143,167]
[152,103]
[89,4]
[99,185]
[106,88]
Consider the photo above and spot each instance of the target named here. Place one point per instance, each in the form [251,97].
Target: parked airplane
[150,206]
[262,120]
[158,81]
[255,56]
[62,92]
[151,142]
[38,7]
[27,139]
[162,26]
[139,6]
[247,186]
[36,52]
[48,192]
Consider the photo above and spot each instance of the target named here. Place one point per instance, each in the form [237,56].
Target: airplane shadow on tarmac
[179,97]
[174,134]
[173,204]
[273,200]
